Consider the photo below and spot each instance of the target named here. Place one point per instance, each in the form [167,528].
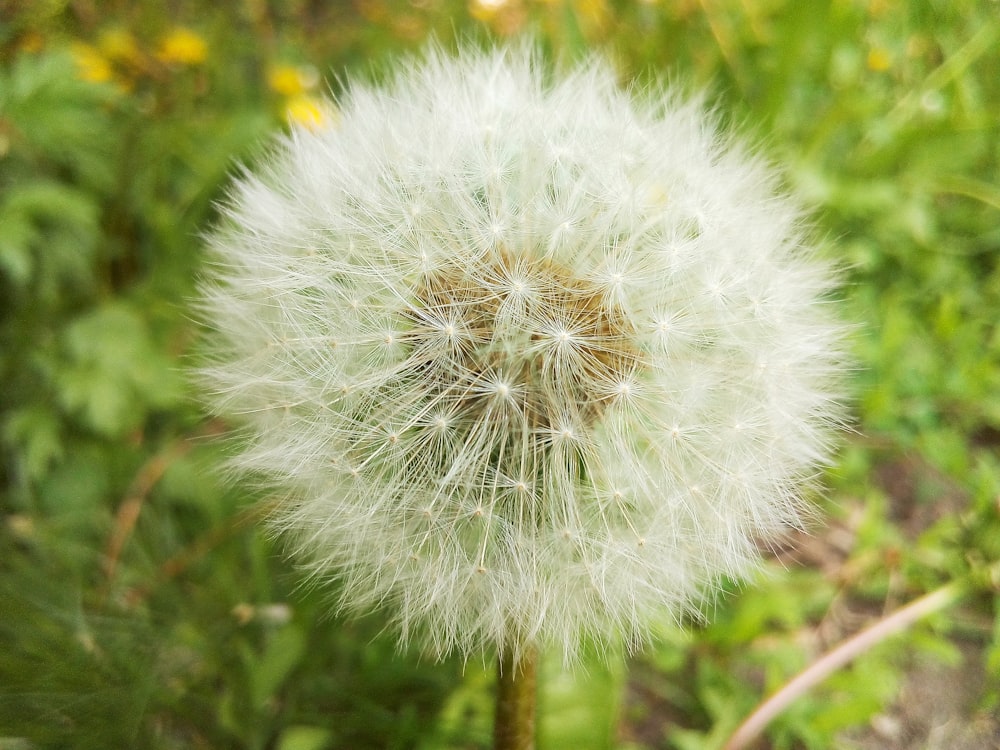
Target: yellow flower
[878,60]
[91,65]
[291,80]
[182,47]
[310,112]
[595,11]
[119,45]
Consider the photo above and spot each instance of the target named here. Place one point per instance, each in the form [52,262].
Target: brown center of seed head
[526,335]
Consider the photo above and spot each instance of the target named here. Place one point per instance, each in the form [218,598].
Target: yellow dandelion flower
[91,65]
[594,11]
[182,47]
[310,112]
[291,80]
[878,60]
[119,45]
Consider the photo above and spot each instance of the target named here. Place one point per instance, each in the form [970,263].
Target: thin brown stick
[130,507]
[185,558]
[517,689]
[833,660]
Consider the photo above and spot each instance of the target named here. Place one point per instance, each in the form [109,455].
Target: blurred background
[141,605]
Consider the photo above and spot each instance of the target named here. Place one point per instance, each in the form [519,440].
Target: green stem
[517,690]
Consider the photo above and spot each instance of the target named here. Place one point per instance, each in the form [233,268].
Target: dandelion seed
[594,402]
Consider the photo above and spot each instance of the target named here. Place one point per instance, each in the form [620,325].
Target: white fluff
[535,362]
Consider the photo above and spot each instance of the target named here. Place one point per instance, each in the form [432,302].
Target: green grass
[140,604]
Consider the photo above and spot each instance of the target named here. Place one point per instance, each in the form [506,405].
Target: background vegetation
[141,606]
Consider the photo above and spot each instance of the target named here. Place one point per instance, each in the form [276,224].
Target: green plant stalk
[517,696]
[833,660]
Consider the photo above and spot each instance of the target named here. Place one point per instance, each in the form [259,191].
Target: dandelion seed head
[532,359]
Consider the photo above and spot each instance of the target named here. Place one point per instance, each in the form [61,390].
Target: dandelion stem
[517,690]
[838,657]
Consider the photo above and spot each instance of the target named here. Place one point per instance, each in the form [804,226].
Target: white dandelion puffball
[531,360]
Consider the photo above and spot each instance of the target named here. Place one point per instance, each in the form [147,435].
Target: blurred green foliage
[140,605]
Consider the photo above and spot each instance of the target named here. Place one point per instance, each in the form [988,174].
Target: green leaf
[16,236]
[578,709]
[467,716]
[305,738]
[280,657]
[47,225]
[58,116]
[35,431]
[114,374]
